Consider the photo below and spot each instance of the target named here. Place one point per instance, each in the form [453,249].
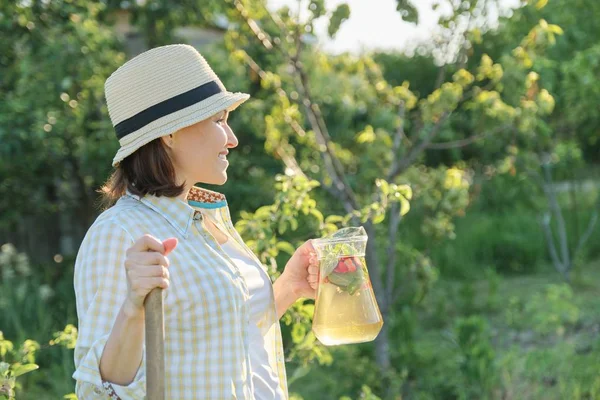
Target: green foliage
[293,204]
[352,374]
[551,311]
[494,298]
[14,363]
[51,103]
[561,312]
[67,337]
[365,394]
[466,211]
[440,195]
[26,301]
[477,356]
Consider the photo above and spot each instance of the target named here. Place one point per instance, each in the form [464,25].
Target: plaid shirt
[206,312]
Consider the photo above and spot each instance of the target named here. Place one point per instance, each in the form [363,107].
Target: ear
[167,140]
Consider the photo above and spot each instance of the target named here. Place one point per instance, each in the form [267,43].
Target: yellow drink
[342,318]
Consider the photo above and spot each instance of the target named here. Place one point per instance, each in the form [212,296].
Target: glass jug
[346,310]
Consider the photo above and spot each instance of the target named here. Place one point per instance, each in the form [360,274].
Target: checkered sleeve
[100,289]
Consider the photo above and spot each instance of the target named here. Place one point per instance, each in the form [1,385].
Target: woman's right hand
[146,265]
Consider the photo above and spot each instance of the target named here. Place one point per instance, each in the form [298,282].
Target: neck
[184,195]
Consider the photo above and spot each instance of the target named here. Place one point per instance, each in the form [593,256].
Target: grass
[532,363]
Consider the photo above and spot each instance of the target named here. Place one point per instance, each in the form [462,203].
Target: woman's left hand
[302,271]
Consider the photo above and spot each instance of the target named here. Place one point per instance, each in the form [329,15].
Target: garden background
[471,158]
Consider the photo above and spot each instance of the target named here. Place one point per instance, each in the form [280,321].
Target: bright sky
[374,24]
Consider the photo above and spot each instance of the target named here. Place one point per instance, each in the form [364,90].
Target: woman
[222,335]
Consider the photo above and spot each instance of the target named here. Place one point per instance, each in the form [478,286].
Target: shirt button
[197,215]
[98,391]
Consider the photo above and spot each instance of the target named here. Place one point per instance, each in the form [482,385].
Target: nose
[232,140]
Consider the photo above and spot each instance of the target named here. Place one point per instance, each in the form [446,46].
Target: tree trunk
[382,343]
[382,348]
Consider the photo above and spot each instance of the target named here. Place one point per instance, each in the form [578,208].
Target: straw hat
[161,91]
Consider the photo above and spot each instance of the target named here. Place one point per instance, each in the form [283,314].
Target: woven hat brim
[178,120]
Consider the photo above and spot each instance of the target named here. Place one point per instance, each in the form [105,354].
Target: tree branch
[588,232]
[395,219]
[466,141]
[455,144]
[397,140]
[551,246]
[556,210]
[317,122]
[332,163]
[259,33]
[441,76]
[419,148]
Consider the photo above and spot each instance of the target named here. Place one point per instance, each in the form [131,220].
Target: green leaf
[339,15]
[264,211]
[282,226]
[404,206]
[405,191]
[366,136]
[317,7]
[18,369]
[4,368]
[5,347]
[317,214]
[285,246]
[294,223]
[299,372]
[379,219]
[348,281]
[555,29]
[308,310]
[298,332]
[383,186]
[408,12]
[332,219]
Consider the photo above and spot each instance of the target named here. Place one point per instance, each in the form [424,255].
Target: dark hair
[148,170]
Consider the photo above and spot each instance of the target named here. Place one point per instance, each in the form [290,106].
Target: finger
[169,245]
[313,270]
[149,258]
[143,286]
[147,242]
[147,271]
[151,283]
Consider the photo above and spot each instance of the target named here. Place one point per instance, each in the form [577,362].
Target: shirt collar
[180,213]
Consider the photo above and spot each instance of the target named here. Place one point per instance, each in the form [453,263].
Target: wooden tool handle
[155,345]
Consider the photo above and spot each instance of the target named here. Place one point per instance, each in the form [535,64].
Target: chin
[218,179]
[221,180]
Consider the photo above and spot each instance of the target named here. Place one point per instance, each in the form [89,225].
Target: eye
[220,121]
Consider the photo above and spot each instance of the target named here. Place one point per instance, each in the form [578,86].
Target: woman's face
[198,152]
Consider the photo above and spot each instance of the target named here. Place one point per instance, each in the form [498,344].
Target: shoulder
[128,219]
[116,217]
[121,219]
